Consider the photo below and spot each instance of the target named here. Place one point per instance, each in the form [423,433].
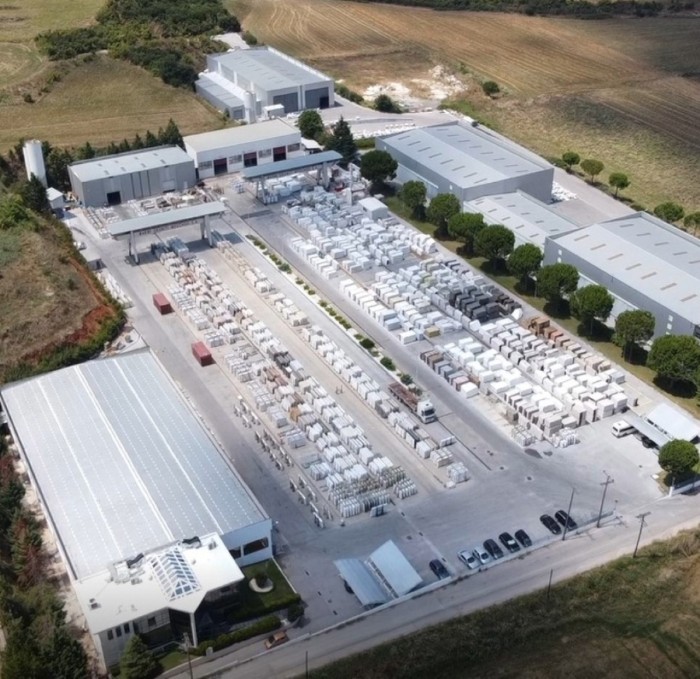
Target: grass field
[632,619]
[614,89]
[101,101]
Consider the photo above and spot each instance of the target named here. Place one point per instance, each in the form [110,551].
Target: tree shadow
[494,268]
[597,331]
[637,355]
[681,388]
[559,309]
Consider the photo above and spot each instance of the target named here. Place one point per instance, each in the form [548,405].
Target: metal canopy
[673,423]
[290,165]
[362,582]
[166,219]
[646,429]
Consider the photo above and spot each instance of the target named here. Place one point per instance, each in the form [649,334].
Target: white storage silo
[249,107]
[34,160]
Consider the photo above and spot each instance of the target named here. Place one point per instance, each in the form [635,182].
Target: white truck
[422,407]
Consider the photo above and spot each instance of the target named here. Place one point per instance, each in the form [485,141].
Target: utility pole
[549,586]
[641,518]
[187,650]
[605,484]
[306,663]
[568,514]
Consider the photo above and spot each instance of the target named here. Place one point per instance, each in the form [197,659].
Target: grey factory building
[528,218]
[643,262]
[111,180]
[469,162]
[258,83]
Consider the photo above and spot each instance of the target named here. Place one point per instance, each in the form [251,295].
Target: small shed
[56,199]
[374,208]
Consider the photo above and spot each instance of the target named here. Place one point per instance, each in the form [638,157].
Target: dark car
[439,569]
[493,549]
[523,538]
[648,443]
[509,542]
[565,520]
[348,589]
[550,524]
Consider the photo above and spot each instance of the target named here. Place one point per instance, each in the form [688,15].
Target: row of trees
[339,138]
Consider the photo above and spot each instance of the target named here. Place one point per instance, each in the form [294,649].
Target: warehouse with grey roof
[644,262]
[469,162]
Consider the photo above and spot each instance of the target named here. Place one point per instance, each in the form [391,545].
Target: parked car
[493,549]
[348,589]
[550,524]
[439,569]
[276,639]
[509,542]
[469,560]
[481,554]
[565,520]
[523,538]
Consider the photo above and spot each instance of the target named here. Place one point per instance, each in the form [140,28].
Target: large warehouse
[234,148]
[123,469]
[111,180]
[643,262]
[243,83]
[467,161]
[528,218]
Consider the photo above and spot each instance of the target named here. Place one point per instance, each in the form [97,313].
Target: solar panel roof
[121,461]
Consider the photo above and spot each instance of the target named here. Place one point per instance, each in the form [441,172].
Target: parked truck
[422,407]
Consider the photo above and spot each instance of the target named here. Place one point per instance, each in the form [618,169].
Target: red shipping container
[202,353]
[161,303]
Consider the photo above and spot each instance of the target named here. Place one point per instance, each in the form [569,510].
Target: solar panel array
[123,464]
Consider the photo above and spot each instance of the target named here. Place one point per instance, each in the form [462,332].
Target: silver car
[481,555]
[469,560]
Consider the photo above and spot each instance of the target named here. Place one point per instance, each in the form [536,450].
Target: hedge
[262,626]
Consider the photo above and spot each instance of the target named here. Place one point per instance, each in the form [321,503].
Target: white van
[621,428]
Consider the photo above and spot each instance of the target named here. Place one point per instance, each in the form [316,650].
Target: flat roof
[176,576]
[646,254]
[466,156]
[121,461]
[290,165]
[674,423]
[126,163]
[269,69]
[525,216]
[165,218]
[241,134]
[210,84]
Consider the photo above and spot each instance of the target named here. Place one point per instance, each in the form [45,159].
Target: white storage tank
[34,160]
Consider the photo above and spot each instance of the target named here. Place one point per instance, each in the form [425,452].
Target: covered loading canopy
[673,423]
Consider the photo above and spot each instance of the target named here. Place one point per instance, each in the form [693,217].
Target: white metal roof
[466,156]
[528,218]
[222,89]
[121,461]
[674,423]
[156,220]
[267,130]
[126,163]
[175,576]
[646,254]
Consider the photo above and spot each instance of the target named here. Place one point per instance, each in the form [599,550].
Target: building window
[235,160]
[696,331]
[206,165]
[256,546]
[265,153]
[110,635]
[151,622]
[293,147]
[670,318]
[118,630]
[126,628]
[236,552]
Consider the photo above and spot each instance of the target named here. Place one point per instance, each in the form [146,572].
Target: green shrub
[388,363]
[295,611]
[367,343]
[262,626]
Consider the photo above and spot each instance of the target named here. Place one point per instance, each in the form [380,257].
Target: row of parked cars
[491,550]
[563,520]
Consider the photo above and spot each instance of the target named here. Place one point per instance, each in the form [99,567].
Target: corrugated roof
[466,156]
[157,219]
[213,85]
[363,584]
[290,165]
[394,569]
[241,134]
[646,254]
[268,69]
[674,423]
[126,163]
[528,218]
[121,461]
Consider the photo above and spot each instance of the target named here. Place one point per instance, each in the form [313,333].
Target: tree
[524,261]
[675,358]
[466,226]
[692,221]
[386,104]
[570,159]
[592,167]
[33,194]
[678,457]
[490,88]
[342,141]
[67,657]
[137,143]
[495,242]
[85,152]
[310,124]
[669,211]
[171,135]
[633,327]
[556,280]
[441,208]
[137,661]
[57,162]
[413,194]
[619,181]
[377,166]
[150,140]
[591,303]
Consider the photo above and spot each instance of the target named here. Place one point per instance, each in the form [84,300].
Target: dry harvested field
[101,101]
[577,75]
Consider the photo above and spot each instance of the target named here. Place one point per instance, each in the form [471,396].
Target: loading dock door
[114,198]
[279,153]
[250,159]
[220,166]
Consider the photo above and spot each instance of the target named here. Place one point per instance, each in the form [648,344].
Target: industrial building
[235,148]
[530,220]
[130,481]
[469,162]
[644,262]
[111,180]
[249,84]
